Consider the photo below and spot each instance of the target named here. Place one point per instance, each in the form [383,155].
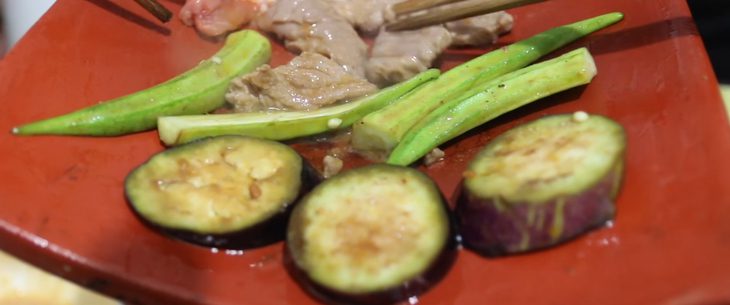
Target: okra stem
[381,130]
[498,97]
[284,125]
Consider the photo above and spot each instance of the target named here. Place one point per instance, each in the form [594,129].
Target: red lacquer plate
[62,205]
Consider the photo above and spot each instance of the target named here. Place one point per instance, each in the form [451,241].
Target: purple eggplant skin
[490,228]
[541,183]
[414,287]
[266,232]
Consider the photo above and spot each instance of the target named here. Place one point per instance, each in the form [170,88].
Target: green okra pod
[381,130]
[286,124]
[196,91]
[500,96]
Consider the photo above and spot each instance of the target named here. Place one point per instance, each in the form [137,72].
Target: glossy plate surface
[62,205]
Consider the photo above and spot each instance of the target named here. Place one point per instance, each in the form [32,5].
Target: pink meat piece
[314,26]
[217,17]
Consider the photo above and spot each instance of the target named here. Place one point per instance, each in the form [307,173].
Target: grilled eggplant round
[541,183]
[372,235]
[231,192]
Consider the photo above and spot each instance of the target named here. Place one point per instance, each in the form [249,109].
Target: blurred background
[17,17]
[713,20]
[22,284]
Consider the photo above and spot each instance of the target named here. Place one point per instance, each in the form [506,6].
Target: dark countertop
[713,20]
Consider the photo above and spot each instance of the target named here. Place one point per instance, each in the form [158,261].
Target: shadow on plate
[130,16]
[601,43]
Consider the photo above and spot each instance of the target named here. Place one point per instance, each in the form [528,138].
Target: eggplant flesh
[230,192]
[372,235]
[541,183]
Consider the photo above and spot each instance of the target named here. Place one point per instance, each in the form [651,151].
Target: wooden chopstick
[437,13]
[411,6]
[156,9]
